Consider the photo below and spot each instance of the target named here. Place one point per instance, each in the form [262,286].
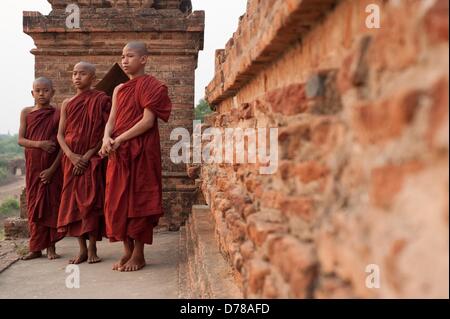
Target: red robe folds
[82,199]
[133,199]
[42,200]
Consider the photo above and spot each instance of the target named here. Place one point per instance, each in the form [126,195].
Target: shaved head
[86,66]
[43,80]
[138,47]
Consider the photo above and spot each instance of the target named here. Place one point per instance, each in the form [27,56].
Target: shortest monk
[37,134]
[83,120]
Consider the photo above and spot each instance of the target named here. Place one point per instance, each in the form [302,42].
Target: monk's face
[42,93]
[132,61]
[82,77]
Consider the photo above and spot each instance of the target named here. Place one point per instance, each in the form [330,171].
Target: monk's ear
[144,59]
[52,93]
[32,93]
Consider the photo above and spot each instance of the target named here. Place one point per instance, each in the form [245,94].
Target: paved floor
[41,278]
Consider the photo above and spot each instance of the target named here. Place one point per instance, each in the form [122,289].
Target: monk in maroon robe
[133,199]
[37,133]
[82,123]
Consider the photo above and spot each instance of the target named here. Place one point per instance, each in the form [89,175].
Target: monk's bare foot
[51,253]
[83,255]
[93,259]
[32,255]
[121,262]
[92,256]
[134,264]
[81,258]
[128,246]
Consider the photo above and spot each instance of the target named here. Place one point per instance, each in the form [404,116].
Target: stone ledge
[113,21]
[105,51]
[209,274]
[9,253]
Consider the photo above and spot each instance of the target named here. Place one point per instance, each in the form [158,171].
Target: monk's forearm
[108,131]
[62,143]
[57,161]
[28,143]
[94,150]
[138,129]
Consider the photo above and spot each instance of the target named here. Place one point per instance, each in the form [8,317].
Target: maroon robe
[82,199]
[42,199]
[133,199]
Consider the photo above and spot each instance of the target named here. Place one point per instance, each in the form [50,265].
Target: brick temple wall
[174,35]
[363,128]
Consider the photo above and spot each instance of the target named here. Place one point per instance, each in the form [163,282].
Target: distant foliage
[9,150]
[3,173]
[9,146]
[9,206]
[202,109]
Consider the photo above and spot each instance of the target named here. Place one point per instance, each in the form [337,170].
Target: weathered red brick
[439,110]
[302,207]
[258,229]
[310,171]
[257,271]
[297,263]
[436,22]
[380,121]
[290,100]
[387,181]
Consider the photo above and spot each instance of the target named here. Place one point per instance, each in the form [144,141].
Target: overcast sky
[18,63]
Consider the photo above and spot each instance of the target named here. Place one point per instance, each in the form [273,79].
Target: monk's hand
[106,147]
[78,171]
[78,161]
[46,176]
[48,146]
[83,163]
[116,143]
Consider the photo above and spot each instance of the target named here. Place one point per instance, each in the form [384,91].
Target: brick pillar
[23,204]
[174,36]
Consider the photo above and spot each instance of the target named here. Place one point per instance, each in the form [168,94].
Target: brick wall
[363,121]
[174,36]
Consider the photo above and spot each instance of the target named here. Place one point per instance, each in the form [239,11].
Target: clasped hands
[49,147]
[80,162]
[109,146]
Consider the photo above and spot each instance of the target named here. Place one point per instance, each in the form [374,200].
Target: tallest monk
[133,197]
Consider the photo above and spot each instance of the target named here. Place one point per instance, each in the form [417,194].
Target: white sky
[18,63]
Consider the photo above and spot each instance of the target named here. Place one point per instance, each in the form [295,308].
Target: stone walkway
[41,278]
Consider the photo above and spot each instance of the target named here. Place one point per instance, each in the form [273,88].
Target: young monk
[83,119]
[133,179]
[37,134]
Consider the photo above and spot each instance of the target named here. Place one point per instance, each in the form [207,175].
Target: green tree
[202,109]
